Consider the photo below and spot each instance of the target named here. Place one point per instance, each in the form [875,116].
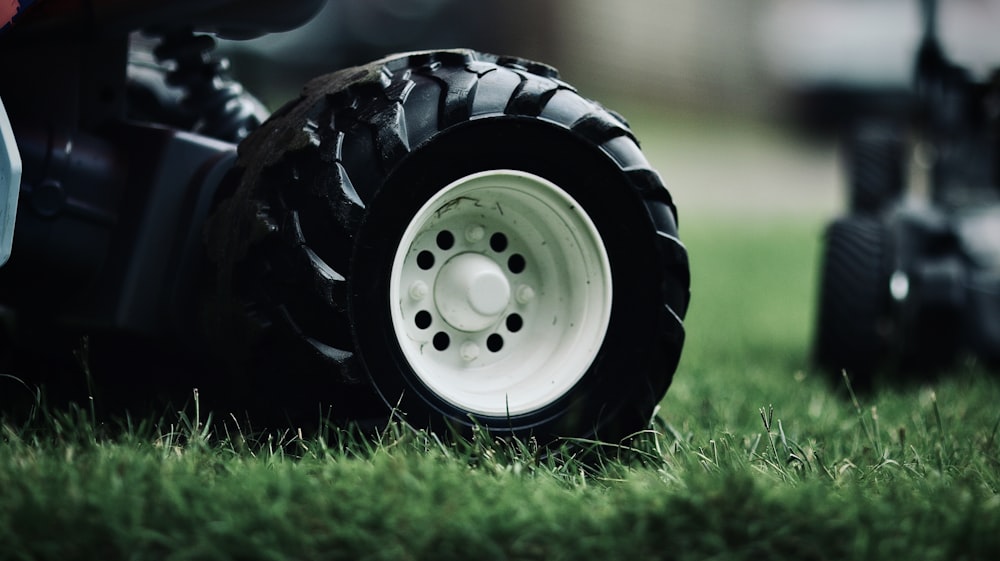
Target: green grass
[754,456]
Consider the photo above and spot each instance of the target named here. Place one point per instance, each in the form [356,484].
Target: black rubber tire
[853,300]
[327,186]
[876,165]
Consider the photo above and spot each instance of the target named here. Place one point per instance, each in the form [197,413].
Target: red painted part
[10,10]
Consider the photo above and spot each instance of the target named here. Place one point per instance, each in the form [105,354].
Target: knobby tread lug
[480,68]
[531,96]
[331,286]
[312,187]
[323,351]
[297,280]
[341,101]
[337,145]
[536,68]
[600,127]
[332,187]
[338,356]
[494,92]
[385,116]
[650,185]
[618,116]
[675,291]
[566,107]
[347,188]
[400,91]
[563,85]
[664,220]
[673,250]
[455,57]
[460,89]
[675,335]
[292,228]
[391,140]
[670,338]
[626,152]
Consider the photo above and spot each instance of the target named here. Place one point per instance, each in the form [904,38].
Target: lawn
[754,455]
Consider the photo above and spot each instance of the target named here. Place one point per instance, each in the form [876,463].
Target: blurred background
[703,82]
[768,58]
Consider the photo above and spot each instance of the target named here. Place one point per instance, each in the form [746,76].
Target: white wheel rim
[504,312]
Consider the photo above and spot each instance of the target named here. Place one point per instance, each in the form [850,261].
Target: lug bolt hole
[516,263]
[498,242]
[423,319]
[445,240]
[425,260]
[494,342]
[441,340]
[514,323]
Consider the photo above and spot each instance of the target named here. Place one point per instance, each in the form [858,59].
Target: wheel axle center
[471,291]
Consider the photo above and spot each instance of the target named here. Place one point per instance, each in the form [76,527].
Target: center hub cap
[471,291]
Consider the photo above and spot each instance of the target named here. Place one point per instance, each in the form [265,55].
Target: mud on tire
[334,281]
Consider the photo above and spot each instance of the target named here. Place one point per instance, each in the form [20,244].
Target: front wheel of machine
[465,231]
[853,300]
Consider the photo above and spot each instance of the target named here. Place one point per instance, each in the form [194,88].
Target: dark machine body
[911,275]
[171,234]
